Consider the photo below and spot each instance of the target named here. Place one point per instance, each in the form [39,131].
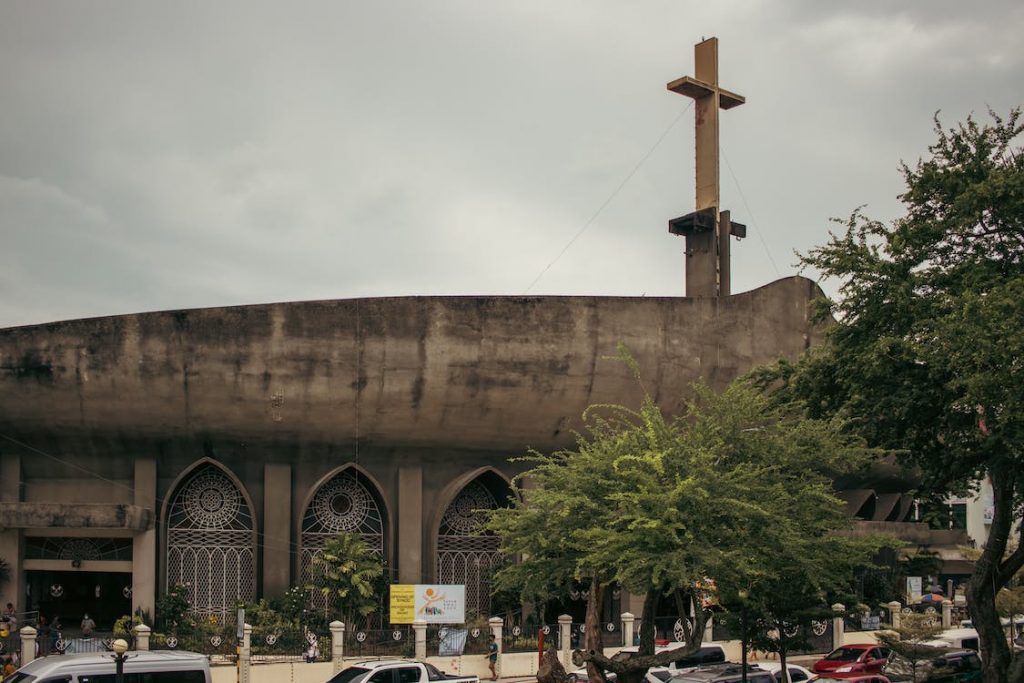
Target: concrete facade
[103,419]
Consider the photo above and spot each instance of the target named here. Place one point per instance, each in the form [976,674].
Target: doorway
[104,596]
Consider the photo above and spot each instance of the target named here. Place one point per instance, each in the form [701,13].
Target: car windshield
[350,674]
[663,675]
[20,678]
[845,654]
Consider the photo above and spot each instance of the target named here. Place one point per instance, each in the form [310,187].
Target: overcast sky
[192,154]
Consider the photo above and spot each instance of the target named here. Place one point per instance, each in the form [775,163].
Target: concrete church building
[219,447]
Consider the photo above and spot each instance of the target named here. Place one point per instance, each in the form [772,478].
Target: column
[11,539]
[410,523]
[894,614]
[244,655]
[142,633]
[947,613]
[337,645]
[144,576]
[496,625]
[838,625]
[420,628]
[628,619]
[709,628]
[28,644]
[565,639]
[277,529]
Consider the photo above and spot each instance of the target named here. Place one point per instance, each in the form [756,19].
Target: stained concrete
[417,393]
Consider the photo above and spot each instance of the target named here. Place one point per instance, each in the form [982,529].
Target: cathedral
[218,448]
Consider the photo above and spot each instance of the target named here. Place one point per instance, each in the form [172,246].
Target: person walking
[492,657]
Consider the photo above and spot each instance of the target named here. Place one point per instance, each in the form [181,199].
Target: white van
[959,638]
[162,666]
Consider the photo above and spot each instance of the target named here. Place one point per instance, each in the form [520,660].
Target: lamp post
[120,647]
[743,595]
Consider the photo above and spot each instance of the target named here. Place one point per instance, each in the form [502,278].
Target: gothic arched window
[345,503]
[211,542]
[466,553]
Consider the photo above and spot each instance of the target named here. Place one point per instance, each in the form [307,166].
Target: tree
[927,349]
[660,505]
[909,642]
[348,574]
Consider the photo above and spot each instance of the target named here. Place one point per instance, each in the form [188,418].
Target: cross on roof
[707,229]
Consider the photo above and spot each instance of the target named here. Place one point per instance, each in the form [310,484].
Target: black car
[956,666]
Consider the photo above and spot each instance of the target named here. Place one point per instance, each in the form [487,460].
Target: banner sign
[433,604]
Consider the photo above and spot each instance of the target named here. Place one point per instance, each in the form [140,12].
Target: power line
[750,212]
[612,196]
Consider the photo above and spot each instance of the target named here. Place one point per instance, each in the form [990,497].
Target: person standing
[88,626]
[492,657]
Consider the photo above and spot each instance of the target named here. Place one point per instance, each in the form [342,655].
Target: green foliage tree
[348,574]
[928,343]
[661,504]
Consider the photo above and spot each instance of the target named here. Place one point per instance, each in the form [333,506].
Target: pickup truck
[396,671]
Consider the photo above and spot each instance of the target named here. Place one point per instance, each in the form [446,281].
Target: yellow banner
[403,603]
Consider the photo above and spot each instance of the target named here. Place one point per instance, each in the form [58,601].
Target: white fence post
[337,645]
[142,633]
[894,614]
[244,655]
[565,639]
[947,613]
[628,619]
[497,625]
[419,628]
[838,625]
[28,644]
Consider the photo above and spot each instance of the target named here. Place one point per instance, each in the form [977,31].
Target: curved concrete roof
[471,372]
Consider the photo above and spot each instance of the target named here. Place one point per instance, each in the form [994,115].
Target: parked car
[958,638]
[849,661]
[957,666]
[395,671]
[797,674]
[159,666]
[859,678]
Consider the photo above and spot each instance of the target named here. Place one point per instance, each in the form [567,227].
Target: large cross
[707,229]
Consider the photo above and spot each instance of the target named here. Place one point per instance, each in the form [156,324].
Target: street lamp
[743,595]
[120,647]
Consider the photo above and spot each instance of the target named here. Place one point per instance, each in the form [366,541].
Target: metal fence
[517,638]
[220,646]
[397,641]
[289,644]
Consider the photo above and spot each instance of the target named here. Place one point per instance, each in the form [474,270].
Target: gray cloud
[178,155]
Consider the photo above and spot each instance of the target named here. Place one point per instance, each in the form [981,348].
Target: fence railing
[397,641]
[289,644]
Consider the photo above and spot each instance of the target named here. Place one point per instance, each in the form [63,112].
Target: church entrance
[104,596]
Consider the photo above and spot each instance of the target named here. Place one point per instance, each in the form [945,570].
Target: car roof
[88,660]
[377,663]
[710,674]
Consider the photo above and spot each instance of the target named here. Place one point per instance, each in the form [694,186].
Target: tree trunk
[646,636]
[592,629]
[551,670]
[984,584]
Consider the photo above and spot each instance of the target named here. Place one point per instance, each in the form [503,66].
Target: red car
[851,661]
